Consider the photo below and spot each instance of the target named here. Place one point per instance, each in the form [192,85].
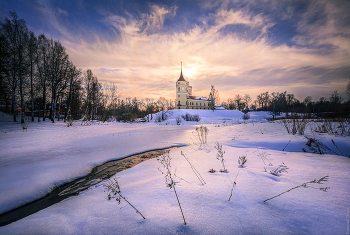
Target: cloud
[51,15]
[60,12]
[227,47]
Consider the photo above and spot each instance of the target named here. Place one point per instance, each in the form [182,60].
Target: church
[185,99]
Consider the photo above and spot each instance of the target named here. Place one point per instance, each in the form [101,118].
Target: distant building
[185,99]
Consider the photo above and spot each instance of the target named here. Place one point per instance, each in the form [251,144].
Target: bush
[192,118]
[295,125]
[178,120]
[338,126]
[202,133]
[128,117]
[242,160]
[246,116]
[279,170]
[162,116]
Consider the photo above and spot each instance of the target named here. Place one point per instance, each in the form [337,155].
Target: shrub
[317,146]
[246,116]
[295,125]
[338,126]
[178,120]
[69,121]
[279,170]
[202,133]
[128,117]
[191,117]
[25,124]
[158,118]
[242,160]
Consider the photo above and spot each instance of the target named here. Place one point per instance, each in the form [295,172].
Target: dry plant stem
[233,185]
[180,177]
[319,145]
[178,201]
[320,181]
[137,211]
[337,148]
[286,145]
[113,187]
[165,160]
[220,154]
[263,157]
[200,178]
[202,133]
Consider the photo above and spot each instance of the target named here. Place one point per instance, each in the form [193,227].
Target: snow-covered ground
[46,155]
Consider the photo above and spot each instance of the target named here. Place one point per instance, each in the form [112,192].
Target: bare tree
[5,95]
[278,103]
[92,89]
[348,89]
[111,96]
[336,100]
[58,67]
[42,63]
[32,50]
[15,31]
[74,81]
[149,106]
[308,103]
[291,100]
[163,105]
[240,105]
[263,100]
[214,97]
[230,104]
[247,99]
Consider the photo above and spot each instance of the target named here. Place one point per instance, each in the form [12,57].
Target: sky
[240,47]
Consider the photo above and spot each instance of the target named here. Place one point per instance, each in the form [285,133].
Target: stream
[73,188]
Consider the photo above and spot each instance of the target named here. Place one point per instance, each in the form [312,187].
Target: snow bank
[46,155]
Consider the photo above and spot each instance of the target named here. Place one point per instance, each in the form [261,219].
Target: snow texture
[46,155]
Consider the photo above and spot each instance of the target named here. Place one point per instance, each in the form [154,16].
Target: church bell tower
[182,94]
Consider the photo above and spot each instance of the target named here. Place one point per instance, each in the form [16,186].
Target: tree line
[38,79]
[284,102]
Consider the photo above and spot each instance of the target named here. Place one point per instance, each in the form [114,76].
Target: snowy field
[46,155]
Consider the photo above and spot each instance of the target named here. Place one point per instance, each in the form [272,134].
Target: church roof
[192,97]
[181,78]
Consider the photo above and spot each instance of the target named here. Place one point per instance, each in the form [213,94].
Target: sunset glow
[240,47]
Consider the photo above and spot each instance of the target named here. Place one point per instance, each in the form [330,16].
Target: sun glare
[189,72]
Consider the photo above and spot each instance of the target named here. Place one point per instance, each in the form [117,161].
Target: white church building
[185,99]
